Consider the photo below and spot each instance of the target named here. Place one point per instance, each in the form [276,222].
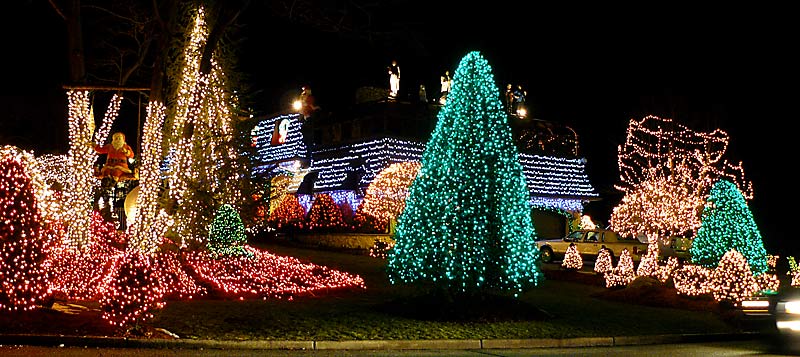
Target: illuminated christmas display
[24,241]
[386,195]
[660,206]
[623,274]
[603,263]
[692,280]
[150,222]
[572,258]
[324,214]
[467,224]
[664,272]
[81,157]
[648,265]
[768,282]
[289,212]
[134,291]
[732,279]
[727,224]
[200,132]
[655,146]
[266,275]
[226,235]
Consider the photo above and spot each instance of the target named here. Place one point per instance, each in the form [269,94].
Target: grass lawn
[555,309]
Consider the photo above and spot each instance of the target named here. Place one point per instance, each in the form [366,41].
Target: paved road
[735,348]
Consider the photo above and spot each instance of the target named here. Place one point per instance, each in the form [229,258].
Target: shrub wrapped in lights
[648,266]
[623,274]
[288,213]
[325,214]
[732,279]
[603,264]
[226,234]
[664,272]
[572,258]
[24,241]
[692,280]
[134,292]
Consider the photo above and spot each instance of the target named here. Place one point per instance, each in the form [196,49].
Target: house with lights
[341,155]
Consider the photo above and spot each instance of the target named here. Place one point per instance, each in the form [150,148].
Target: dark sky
[591,68]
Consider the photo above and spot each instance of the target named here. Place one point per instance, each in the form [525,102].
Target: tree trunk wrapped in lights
[572,258]
[732,279]
[466,226]
[728,224]
[24,240]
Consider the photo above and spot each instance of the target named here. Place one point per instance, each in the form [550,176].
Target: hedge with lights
[466,226]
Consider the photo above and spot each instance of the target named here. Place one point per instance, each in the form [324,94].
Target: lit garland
[648,265]
[692,280]
[558,205]
[150,222]
[24,241]
[226,235]
[386,195]
[666,271]
[572,258]
[288,213]
[727,224]
[324,213]
[467,224]
[602,264]
[266,275]
[732,279]
[623,274]
[660,144]
[659,207]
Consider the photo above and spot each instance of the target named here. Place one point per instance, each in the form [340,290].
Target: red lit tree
[288,213]
[324,213]
[134,292]
[23,239]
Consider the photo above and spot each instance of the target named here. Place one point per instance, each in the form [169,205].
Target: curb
[475,344]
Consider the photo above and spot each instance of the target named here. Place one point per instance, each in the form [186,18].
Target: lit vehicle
[785,308]
[589,242]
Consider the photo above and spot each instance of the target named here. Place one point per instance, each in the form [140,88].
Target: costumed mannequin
[446,83]
[394,79]
[307,103]
[117,160]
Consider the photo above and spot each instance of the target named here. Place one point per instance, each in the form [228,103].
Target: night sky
[591,68]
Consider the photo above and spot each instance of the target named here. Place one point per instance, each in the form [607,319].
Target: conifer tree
[466,226]
[23,239]
[727,224]
[226,235]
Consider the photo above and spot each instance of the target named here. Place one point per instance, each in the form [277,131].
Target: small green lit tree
[226,234]
[727,224]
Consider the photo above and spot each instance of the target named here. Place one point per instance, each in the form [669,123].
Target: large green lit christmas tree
[467,225]
[726,224]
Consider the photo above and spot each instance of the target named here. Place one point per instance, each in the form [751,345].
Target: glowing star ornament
[728,224]
[466,226]
[24,241]
[572,258]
